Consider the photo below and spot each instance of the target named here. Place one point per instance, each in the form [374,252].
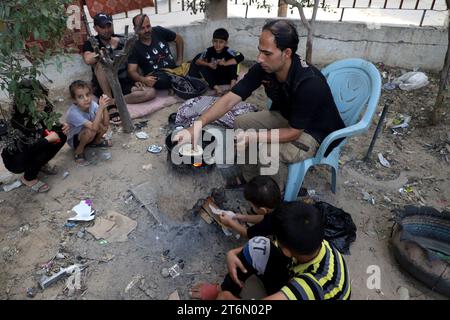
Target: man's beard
[105,38]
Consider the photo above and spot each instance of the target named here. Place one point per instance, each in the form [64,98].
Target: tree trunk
[282,9]
[116,89]
[443,83]
[309,47]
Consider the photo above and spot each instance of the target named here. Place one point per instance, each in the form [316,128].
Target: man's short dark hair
[285,34]
[263,191]
[221,33]
[299,227]
[143,15]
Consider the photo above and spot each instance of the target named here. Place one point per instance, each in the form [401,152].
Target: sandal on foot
[102,144]
[80,159]
[49,169]
[204,291]
[114,117]
[39,187]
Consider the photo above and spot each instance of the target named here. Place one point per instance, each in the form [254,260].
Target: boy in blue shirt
[217,64]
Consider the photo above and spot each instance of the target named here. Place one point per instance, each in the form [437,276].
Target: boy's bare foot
[219,91]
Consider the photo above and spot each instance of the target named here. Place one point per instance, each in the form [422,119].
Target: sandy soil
[32,228]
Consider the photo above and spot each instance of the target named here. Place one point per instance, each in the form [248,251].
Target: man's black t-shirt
[155,56]
[305,99]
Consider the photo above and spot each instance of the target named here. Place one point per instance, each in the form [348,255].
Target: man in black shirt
[133,93]
[151,54]
[303,109]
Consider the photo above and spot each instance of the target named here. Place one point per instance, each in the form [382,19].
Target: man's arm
[90,57]
[134,74]
[180,49]
[218,109]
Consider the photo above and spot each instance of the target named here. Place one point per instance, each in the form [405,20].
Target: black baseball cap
[102,19]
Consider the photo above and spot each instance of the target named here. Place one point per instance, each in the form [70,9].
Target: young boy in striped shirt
[301,265]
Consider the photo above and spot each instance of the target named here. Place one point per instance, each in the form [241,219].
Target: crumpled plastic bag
[411,80]
[340,230]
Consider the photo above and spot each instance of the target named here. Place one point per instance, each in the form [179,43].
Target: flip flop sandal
[80,159]
[40,187]
[103,144]
[49,169]
[208,291]
[114,117]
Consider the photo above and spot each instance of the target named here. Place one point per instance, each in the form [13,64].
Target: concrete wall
[405,47]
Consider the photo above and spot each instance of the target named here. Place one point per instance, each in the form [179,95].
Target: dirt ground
[32,230]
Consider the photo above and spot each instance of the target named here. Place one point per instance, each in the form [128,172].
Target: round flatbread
[187,150]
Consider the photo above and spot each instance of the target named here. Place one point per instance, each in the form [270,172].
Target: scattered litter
[174,271]
[45,281]
[107,257]
[130,198]
[147,166]
[115,227]
[165,272]
[403,124]
[84,211]
[108,135]
[31,292]
[60,256]
[383,161]
[389,86]
[387,199]
[154,148]
[81,233]
[65,174]
[105,155]
[60,99]
[133,281]
[141,124]
[174,296]
[403,293]
[12,186]
[103,242]
[141,135]
[311,192]
[368,197]
[70,225]
[411,80]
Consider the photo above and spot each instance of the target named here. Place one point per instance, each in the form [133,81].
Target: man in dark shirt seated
[151,53]
[303,110]
[133,92]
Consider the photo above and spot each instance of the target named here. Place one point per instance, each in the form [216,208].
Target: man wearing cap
[151,53]
[133,92]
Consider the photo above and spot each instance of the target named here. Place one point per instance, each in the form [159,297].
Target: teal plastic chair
[356,88]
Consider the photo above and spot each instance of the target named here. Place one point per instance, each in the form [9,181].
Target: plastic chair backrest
[353,83]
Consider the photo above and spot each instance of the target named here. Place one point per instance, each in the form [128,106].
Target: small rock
[165,272]
[150,293]
[31,292]
[80,234]
[60,256]
[403,293]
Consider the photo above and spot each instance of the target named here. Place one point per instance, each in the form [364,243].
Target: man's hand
[104,101]
[150,81]
[222,62]
[52,137]
[212,65]
[233,263]
[190,135]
